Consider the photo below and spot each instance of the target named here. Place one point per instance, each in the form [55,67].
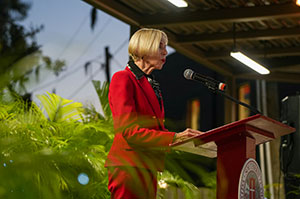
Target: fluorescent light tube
[179,3]
[250,63]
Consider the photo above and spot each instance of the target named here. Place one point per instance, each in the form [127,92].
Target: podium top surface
[261,128]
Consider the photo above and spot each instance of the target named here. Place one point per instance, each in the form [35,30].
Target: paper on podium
[208,149]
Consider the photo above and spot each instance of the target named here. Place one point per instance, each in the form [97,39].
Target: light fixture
[246,60]
[250,63]
[298,2]
[179,3]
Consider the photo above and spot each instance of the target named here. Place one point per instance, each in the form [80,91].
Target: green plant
[21,58]
[60,109]
[42,158]
[166,179]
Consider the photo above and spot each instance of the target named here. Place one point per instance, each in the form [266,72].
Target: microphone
[207,81]
[216,86]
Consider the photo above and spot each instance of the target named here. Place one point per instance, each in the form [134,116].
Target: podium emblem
[250,184]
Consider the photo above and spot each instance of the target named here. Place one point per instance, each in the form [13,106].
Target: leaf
[93,17]
[86,67]
[189,190]
[60,109]
[19,68]
[102,92]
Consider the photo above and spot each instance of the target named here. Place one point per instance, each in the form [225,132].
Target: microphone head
[188,74]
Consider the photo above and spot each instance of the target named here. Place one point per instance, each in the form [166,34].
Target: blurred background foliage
[21,59]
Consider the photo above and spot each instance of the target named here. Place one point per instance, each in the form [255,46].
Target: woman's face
[158,60]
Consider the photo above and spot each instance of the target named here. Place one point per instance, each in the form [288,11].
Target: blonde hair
[146,41]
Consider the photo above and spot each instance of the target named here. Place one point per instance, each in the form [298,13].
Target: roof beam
[273,76]
[245,14]
[288,68]
[196,54]
[272,52]
[117,10]
[128,16]
[240,36]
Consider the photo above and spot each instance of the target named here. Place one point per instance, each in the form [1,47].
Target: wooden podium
[233,144]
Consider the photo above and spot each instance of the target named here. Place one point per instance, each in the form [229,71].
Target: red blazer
[141,139]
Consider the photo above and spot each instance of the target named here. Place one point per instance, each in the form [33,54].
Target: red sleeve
[128,121]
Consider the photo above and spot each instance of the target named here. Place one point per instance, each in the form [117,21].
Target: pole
[107,63]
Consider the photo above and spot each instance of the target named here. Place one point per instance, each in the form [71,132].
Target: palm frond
[50,155]
[102,92]
[91,114]
[60,109]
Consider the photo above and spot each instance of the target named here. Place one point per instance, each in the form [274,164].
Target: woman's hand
[186,134]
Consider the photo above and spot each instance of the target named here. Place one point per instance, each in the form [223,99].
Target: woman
[141,139]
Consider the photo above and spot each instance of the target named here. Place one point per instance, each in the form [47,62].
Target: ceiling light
[298,2]
[179,3]
[250,63]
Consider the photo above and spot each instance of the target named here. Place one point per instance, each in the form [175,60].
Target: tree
[20,55]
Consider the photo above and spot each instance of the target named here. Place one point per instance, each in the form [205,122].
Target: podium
[233,144]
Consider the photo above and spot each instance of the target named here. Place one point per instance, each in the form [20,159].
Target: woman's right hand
[186,134]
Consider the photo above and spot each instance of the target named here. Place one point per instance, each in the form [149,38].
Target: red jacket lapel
[151,97]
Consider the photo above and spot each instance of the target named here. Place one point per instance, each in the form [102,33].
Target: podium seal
[250,184]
